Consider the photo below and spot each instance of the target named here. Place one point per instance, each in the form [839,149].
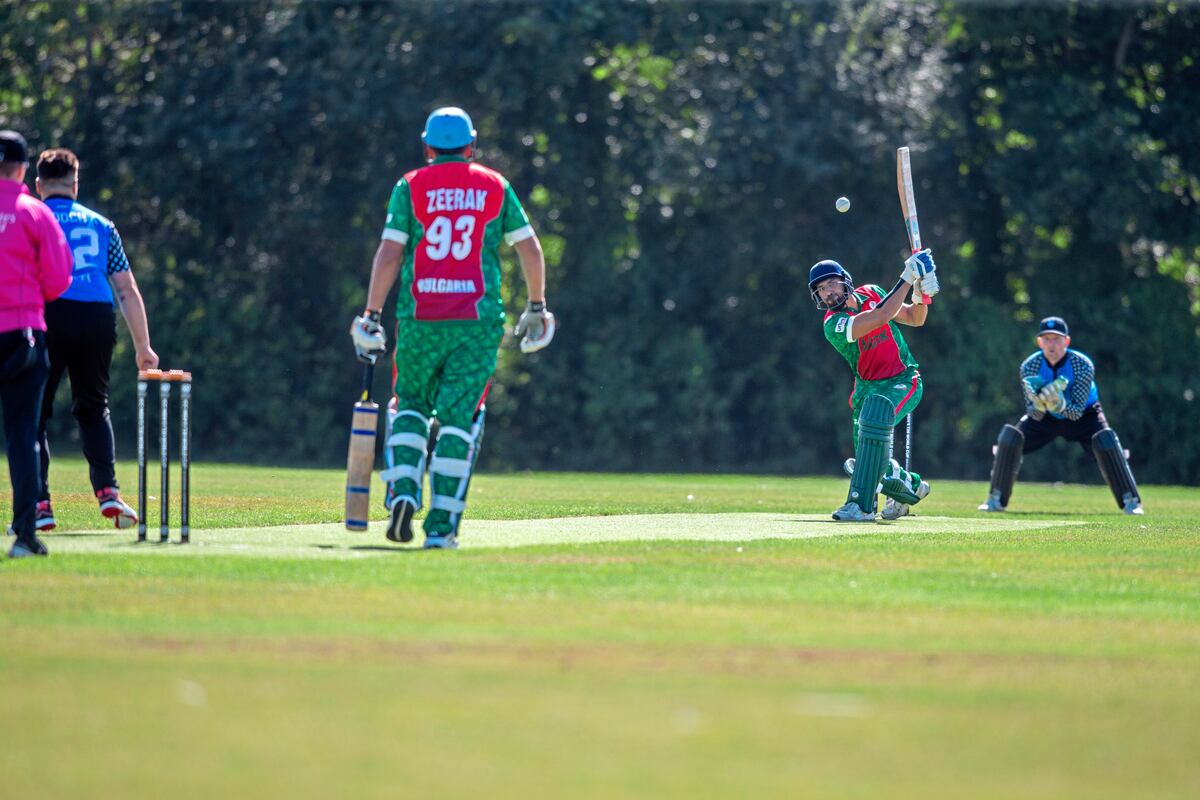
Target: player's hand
[535,327]
[927,286]
[1030,386]
[370,342]
[146,358]
[1052,399]
[918,265]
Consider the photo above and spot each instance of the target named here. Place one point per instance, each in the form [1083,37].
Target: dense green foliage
[680,161]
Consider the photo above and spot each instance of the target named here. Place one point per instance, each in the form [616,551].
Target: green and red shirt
[879,355]
[451,217]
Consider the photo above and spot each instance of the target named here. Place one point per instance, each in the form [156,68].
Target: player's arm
[536,325]
[869,321]
[913,314]
[533,266]
[1076,394]
[129,300]
[384,269]
[1035,407]
[916,267]
[370,341]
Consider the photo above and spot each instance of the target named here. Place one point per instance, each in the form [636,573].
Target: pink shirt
[35,261]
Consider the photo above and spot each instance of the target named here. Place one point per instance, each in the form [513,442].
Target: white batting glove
[927,285]
[535,327]
[918,265]
[370,341]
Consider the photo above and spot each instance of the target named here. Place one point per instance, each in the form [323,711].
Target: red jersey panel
[453,202]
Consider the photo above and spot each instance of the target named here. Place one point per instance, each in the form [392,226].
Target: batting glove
[918,265]
[535,327]
[370,341]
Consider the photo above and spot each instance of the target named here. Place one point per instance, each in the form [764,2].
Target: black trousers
[1040,432]
[23,369]
[81,337]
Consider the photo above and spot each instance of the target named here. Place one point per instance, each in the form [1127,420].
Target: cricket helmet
[828,269]
[448,128]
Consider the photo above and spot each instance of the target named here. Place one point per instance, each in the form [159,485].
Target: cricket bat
[908,201]
[360,461]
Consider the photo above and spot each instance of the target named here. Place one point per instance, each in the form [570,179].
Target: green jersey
[451,217]
[879,355]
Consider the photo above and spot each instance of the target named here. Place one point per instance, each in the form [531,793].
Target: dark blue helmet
[828,269]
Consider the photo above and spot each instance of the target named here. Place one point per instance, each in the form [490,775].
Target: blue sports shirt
[96,246]
[1081,392]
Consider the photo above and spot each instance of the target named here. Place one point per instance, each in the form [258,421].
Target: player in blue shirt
[1061,400]
[82,332]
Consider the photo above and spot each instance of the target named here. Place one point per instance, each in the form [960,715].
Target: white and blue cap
[1053,325]
[448,128]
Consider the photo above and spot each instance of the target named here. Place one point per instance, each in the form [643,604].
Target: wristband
[374,316]
[537,306]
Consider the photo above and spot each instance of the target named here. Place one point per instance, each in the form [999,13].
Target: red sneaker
[116,509]
[44,519]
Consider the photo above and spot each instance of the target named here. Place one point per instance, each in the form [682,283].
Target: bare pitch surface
[334,541]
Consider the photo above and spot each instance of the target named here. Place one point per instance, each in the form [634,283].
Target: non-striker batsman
[442,235]
[860,323]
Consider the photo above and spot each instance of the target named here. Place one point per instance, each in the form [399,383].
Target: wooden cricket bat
[360,461]
[908,201]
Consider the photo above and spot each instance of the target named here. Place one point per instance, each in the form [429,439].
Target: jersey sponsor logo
[455,200]
[446,286]
[841,325]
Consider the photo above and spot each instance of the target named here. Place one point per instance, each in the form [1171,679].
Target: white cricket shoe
[1133,506]
[993,502]
[447,541]
[852,513]
[894,509]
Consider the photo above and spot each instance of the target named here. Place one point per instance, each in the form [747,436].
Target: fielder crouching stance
[443,231]
[861,325]
[1061,399]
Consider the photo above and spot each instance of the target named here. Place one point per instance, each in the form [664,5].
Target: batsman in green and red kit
[441,239]
[861,324]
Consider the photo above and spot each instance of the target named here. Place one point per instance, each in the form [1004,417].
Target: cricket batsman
[442,235]
[1061,400]
[860,323]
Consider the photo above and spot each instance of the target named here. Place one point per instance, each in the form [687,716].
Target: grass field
[608,636]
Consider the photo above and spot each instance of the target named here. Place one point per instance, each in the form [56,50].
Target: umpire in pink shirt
[35,267]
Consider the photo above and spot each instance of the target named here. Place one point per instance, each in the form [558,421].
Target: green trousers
[442,372]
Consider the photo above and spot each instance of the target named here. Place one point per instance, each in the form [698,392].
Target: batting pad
[874,451]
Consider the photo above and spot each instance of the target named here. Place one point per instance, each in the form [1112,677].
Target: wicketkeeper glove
[918,265]
[1052,398]
[535,327]
[370,341]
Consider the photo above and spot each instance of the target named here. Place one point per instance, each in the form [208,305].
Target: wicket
[164,380]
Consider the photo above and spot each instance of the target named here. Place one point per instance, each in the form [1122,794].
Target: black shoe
[399,527]
[24,547]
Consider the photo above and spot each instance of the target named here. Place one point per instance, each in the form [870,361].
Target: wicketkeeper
[445,222]
[1061,400]
[860,323]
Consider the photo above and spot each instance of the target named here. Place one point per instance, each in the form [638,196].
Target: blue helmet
[828,269]
[448,128]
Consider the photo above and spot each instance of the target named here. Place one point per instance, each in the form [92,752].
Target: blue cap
[448,128]
[1053,325]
